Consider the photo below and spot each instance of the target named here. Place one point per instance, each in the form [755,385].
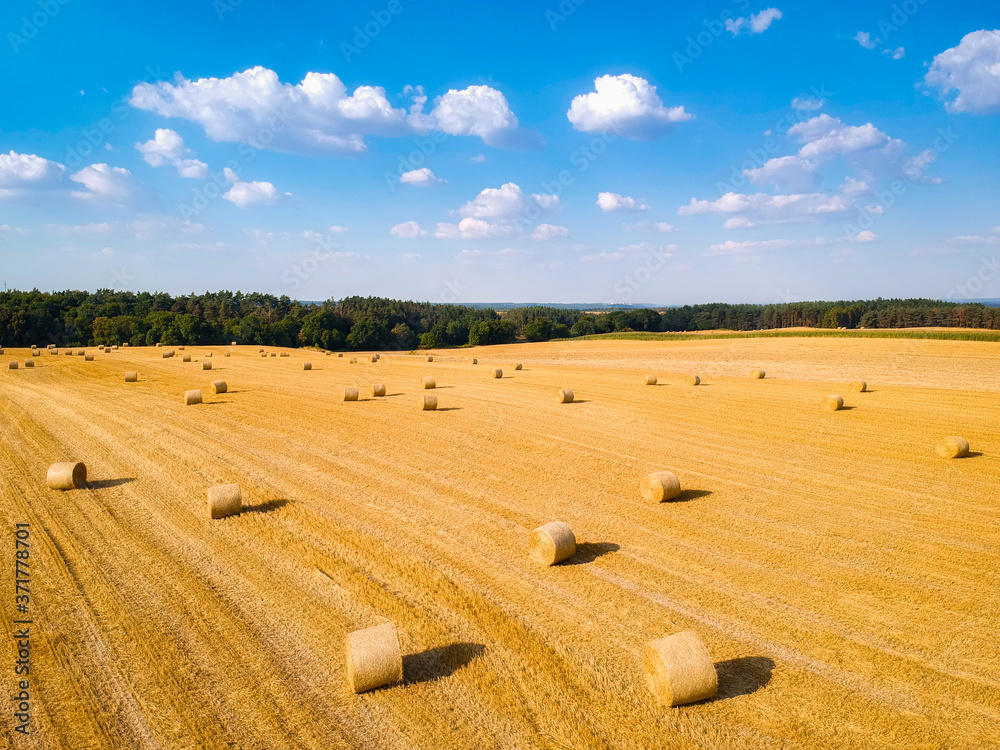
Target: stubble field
[845,579]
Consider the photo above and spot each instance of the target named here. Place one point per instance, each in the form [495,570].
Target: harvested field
[843,577]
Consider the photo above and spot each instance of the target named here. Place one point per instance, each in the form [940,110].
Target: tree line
[77,318]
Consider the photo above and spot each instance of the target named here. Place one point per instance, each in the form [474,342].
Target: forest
[80,318]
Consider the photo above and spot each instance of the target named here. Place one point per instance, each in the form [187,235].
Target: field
[845,579]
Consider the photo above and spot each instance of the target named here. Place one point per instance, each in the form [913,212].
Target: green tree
[488,332]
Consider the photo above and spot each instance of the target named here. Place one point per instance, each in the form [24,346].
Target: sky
[537,151]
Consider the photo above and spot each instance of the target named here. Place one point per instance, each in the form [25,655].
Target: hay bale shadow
[973,454]
[269,507]
[743,676]
[436,663]
[100,484]
[687,496]
[449,408]
[590,551]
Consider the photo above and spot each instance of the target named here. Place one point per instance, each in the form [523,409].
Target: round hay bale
[660,486]
[859,386]
[225,500]
[373,658]
[517,366]
[35,353]
[373,358]
[81,353]
[650,380]
[757,374]
[283,354]
[33,346]
[180,348]
[340,354]
[71,475]
[953,447]
[833,402]
[219,386]
[12,365]
[206,365]
[564,395]
[428,402]
[192,397]
[233,343]
[274,354]
[68,352]
[227,354]
[428,383]
[307,365]
[378,389]
[694,380]
[430,359]
[29,363]
[473,361]
[551,543]
[350,393]
[1,350]
[328,353]
[186,358]
[131,377]
[159,344]
[166,355]
[679,669]
[51,351]
[496,372]
[263,354]
[208,354]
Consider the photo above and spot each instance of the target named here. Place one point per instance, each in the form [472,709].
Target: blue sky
[532,151]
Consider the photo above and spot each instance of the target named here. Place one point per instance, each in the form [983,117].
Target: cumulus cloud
[791,171]
[408,230]
[603,257]
[252,194]
[627,105]
[866,236]
[618,202]
[757,23]
[808,103]
[422,177]
[20,173]
[167,147]
[761,208]
[737,248]
[896,54]
[651,226]
[549,232]
[507,203]
[319,116]
[973,70]
[472,229]
[865,40]
[104,182]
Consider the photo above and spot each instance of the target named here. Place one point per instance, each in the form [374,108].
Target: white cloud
[627,105]
[770,209]
[603,257]
[422,177]
[25,172]
[472,229]
[651,226]
[104,182]
[896,54]
[318,116]
[866,236]
[549,232]
[507,203]
[618,202]
[408,230]
[865,40]
[804,103]
[167,147]
[479,158]
[826,136]
[251,194]
[736,248]
[785,171]
[757,23]
[973,69]
[337,230]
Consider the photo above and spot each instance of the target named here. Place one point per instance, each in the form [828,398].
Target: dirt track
[844,578]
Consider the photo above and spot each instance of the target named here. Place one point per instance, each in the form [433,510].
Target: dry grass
[840,573]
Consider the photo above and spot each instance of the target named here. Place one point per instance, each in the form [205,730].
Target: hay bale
[274,354]
[551,543]
[694,380]
[354,360]
[71,475]
[192,397]
[430,359]
[953,447]
[564,395]
[186,358]
[679,669]
[263,354]
[833,402]
[660,486]
[650,380]
[206,365]
[219,386]
[227,354]
[859,386]
[209,354]
[428,383]
[225,500]
[328,353]
[428,402]
[378,389]
[340,354]
[68,352]
[517,366]
[373,658]
[350,393]
[131,377]
[757,374]
[307,365]
[35,353]
[33,346]
[81,353]
[166,355]
[496,372]
[180,348]
[373,358]
[473,361]
[1,350]
[158,343]
[283,354]
[53,351]
[29,363]
[233,343]
[12,365]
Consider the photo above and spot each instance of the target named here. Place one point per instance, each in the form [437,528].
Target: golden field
[844,578]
